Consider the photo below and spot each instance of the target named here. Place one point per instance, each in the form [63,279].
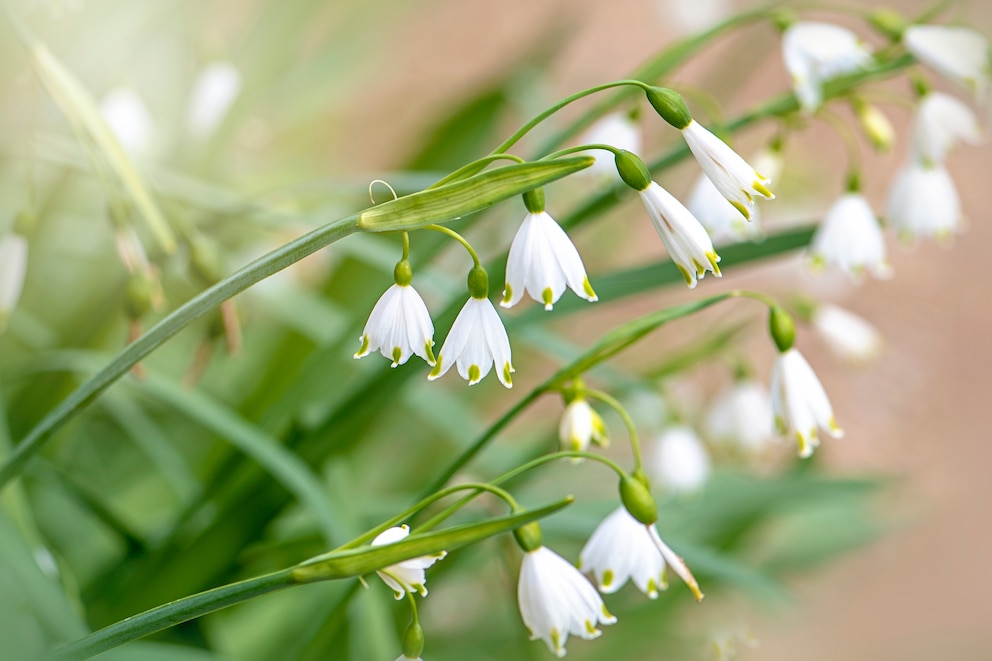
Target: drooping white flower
[959,54]
[128,117]
[687,242]
[741,415]
[556,600]
[580,425]
[732,175]
[941,121]
[618,130]
[721,219]
[850,237]
[13,268]
[543,260]
[406,576]
[814,53]
[477,340]
[679,460]
[849,336]
[799,402]
[399,326]
[214,90]
[923,201]
[621,549]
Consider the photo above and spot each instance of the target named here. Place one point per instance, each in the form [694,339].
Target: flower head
[687,242]
[733,177]
[741,415]
[799,403]
[959,54]
[720,218]
[581,425]
[621,549]
[923,201]
[399,326]
[848,335]
[556,600]
[679,460]
[476,341]
[851,237]
[13,267]
[816,52]
[544,261]
[618,130]
[942,121]
[406,576]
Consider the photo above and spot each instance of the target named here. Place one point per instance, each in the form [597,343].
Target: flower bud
[876,126]
[534,200]
[782,328]
[637,499]
[670,105]
[632,170]
[529,536]
[413,641]
[139,295]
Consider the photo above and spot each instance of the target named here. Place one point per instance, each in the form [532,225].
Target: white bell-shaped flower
[409,575]
[814,53]
[556,600]
[679,461]
[799,402]
[721,219]
[850,237]
[543,260]
[580,425]
[215,89]
[13,268]
[849,336]
[741,416]
[941,122]
[127,115]
[687,242]
[399,326]
[616,129]
[732,175]
[923,202]
[477,341]
[621,550]
[959,54]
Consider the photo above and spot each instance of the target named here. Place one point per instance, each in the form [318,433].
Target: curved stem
[469,169]
[563,454]
[614,404]
[406,246]
[580,148]
[754,296]
[413,608]
[457,237]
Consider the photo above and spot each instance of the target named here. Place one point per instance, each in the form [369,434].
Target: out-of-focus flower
[942,121]
[851,238]
[923,201]
[621,549]
[556,600]
[399,326]
[128,117]
[679,460]
[799,402]
[849,336]
[741,415]
[693,16]
[721,219]
[876,126]
[687,242]
[816,52]
[581,425]
[406,576]
[732,175]
[13,268]
[477,340]
[618,130]
[215,88]
[959,54]
[543,260]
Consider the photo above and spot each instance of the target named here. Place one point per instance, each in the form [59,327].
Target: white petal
[679,460]
[408,575]
[924,202]
[815,52]
[128,117]
[851,238]
[475,342]
[800,402]
[13,268]
[399,323]
[742,415]
[942,121]
[617,130]
[687,242]
[621,549]
[214,91]
[848,335]
[543,260]
[960,54]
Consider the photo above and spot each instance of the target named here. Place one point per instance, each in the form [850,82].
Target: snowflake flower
[477,340]
[399,326]
[621,549]
[799,402]
[13,268]
[580,425]
[848,335]
[406,576]
[923,201]
[851,237]
[959,54]
[816,52]
[721,218]
[942,121]
[687,242]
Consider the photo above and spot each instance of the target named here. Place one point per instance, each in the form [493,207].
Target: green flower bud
[413,641]
[403,273]
[205,260]
[139,294]
[478,283]
[534,200]
[888,22]
[670,105]
[783,19]
[782,328]
[637,498]
[632,170]
[529,536]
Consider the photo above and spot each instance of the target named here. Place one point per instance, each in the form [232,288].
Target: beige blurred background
[919,413]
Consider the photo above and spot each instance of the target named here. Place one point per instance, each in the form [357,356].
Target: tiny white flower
[733,177]
[959,54]
[679,460]
[477,341]
[816,52]
[128,117]
[850,237]
[621,549]
[941,121]
[923,201]
[544,261]
[741,415]
[687,242]
[13,268]
[799,402]
[618,130]
[581,425]
[406,576]
[721,219]
[848,335]
[556,600]
[399,326]
[214,90]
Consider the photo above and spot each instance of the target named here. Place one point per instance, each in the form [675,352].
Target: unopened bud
[876,126]
[637,499]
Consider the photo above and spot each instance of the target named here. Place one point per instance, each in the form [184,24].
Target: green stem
[580,148]
[469,169]
[754,296]
[193,309]
[614,404]
[457,237]
[406,246]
